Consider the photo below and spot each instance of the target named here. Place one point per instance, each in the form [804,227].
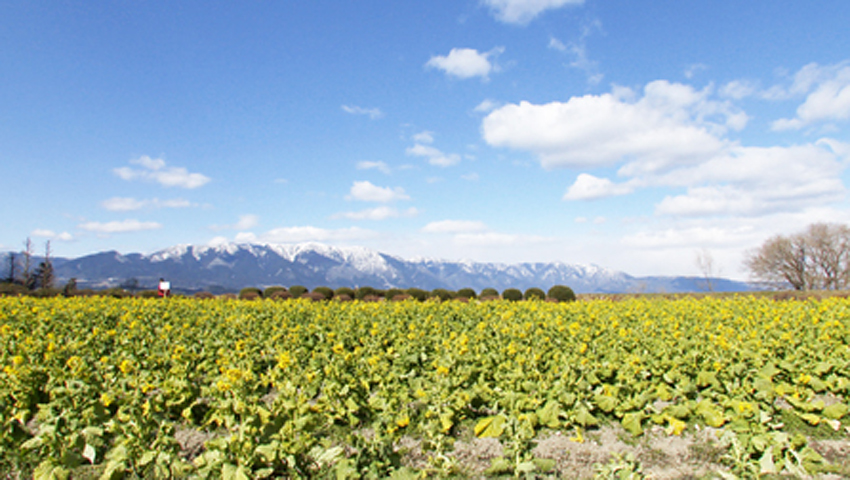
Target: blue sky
[632,135]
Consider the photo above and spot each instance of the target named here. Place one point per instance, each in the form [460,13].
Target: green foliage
[442,294]
[562,293]
[115,293]
[512,294]
[314,296]
[489,292]
[269,292]
[203,295]
[148,294]
[250,293]
[326,291]
[534,293]
[297,290]
[417,293]
[344,291]
[12,289]
[466,293]
[393,292]
[363,292]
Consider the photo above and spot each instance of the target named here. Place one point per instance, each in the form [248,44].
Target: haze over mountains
[230,267]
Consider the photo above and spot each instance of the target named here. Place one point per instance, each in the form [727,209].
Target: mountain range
[230,267]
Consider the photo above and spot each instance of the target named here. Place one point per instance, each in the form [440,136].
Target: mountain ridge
[228,267]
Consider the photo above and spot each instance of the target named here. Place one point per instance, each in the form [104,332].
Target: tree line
[21,271]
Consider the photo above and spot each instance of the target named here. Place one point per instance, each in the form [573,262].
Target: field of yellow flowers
[306,389]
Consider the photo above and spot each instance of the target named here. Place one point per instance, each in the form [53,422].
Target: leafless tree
[705,263]
[817,258]
[27,279]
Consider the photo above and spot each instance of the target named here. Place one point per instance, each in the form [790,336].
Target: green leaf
[631,422]
[810,418]
[585,419]
[606,403]
[490,427]
[499,466]
[526,467]
[836,411]
[710,414]
[47,470]
[548,415]
[545,464]
[706,379]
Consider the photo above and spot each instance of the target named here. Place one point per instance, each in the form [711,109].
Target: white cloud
[245,222]
[496,239]
[670,125]
[424,137]
[124,226]
[379,166]
[578,50]
[455,226]
[126,204]
[367,192]
[756,181]
[435,156]
[738,89]
[51,235]
[521,12]
[471,177]
[486,106]
[377,213]
[373,113]
[686,237]
[315,234]
[829,99]
[588,187]
[156,170]
[693,69]
[465,63]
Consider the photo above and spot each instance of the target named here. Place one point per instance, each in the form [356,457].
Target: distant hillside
[230,267]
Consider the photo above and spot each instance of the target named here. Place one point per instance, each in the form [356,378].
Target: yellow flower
[126,366]
[18,360]
[403,421]
[105,399]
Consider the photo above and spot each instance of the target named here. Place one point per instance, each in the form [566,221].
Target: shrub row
[558,293]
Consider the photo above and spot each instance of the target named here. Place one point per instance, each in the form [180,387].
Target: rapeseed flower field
[301,389]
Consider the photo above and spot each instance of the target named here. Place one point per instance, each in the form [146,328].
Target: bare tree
[817,258]
[44,274]
[28,278]
[705,263]
[13,262]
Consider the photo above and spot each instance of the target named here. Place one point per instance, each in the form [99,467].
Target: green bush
[115,292]
[250,293]
[489,292]
[562,293]
[466,293]
[512,294]
[280,295]
[297,290]
[13,289]
[442,294]
[417,293]
[314,296]
[534,293]
[326,291]
[392,293]
[203,295]
[270,291]
[363,292]
[342,297]
[148,294]
[344,291]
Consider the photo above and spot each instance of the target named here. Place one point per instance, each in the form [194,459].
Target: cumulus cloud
[465,63]
[455,226]
[157,171]
[367,192]
[588,187]
[123,226]
[51,235]
[486,106]
[520,12]
[377,213]
[126,204]
[670,125]
[379,166]
[828,96]
[755,181]
[435,156]
[373,113]
[578,51]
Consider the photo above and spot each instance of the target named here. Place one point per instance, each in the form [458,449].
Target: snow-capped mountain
[231,266]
